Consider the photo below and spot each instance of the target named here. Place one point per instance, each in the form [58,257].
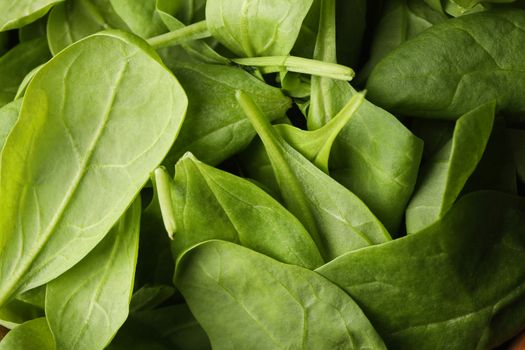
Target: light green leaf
[337,220]
[18,13]
[459,284]
[87,305]
[111,111]
[8,117]
[252,28]
[18,62]
[34,334]
[213,204]
[214,120]
[245,300]
[445,174]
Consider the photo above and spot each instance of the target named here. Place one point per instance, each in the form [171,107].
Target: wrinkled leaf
[454,67]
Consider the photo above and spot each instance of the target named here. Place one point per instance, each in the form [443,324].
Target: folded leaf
[89,317]
[445,174]
[455,66]
[256,28]
[459,284]
[111,111]
[245,300]
[337,220]
[8,117]
[213,204]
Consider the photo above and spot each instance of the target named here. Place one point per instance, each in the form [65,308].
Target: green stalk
[192,32]
[271,64]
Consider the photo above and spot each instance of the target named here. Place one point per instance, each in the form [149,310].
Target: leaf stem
[163,187]
[192,32]
[272,64]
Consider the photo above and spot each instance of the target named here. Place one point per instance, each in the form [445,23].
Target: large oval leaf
[95,121]
[455,66]
[34,334]
[245,300]
[460,284]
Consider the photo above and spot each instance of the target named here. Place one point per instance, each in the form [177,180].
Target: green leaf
[18,62]
[74,20]
[16,14]
[8,117]
[316,145]
[251,28]
[17,312]
[111,111]
[34,334]
[459,284]
[400,21]
[445,174]
[87,305]
[149,297]
[140,16]
[214,121]
[337,220]
[166,328]
[245,300]
[213,204]
[455,66]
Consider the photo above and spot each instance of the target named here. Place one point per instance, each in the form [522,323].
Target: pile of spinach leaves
[192,174]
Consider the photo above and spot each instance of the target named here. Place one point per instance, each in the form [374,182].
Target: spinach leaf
[212,204]
[8,117]
[187,11]
[17,312]
[33,30]
[400,21]
[229,287]
[89,317]
[458,284]
[214,121]
[456,66]
[256,28]
[110,136]
[149,297]
[445,174]
[34,334]
[140,16]
[166,328]
[15,14]
[73,20]
[337,220]
[18,62]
